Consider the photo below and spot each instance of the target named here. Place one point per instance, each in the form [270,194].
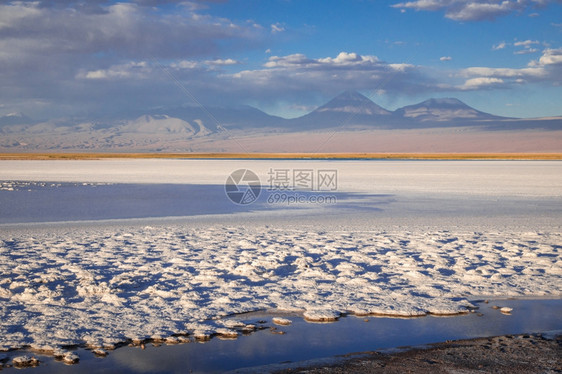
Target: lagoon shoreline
[523,353]
[286,342]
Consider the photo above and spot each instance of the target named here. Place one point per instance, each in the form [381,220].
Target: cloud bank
[473,10]
[66,58]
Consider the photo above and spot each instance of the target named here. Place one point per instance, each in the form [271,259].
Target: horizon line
[542,156]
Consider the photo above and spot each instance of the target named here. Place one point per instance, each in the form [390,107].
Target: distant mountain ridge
[439,110]
[354,110]
[161,123]
[353,103]
[349,111]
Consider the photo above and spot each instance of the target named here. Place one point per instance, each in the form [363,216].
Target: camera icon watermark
[243,187]
[285,186]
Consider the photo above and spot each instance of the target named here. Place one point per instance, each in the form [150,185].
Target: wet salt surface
[265,350]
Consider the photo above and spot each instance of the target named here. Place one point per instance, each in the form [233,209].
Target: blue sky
[87,58]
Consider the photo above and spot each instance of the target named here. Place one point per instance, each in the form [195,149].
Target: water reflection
[306,341]
[57,202]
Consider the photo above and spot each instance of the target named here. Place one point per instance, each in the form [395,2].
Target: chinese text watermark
[286,186]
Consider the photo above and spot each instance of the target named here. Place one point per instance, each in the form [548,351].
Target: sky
[88,59]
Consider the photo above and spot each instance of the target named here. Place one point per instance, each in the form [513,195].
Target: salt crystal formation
[102,286]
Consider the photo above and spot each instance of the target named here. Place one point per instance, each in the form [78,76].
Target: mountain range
[349,111]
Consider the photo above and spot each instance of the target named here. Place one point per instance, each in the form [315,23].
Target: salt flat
[499,178]
[404,238]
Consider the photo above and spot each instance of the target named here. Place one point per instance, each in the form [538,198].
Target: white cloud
[277,27]
[300,76]
[548,68]
[534,72]
[551,57]
[222,62]
[301,60]
[137,70]
[446,58]
[401,67]
[344,58]
[499,46]
[144,70]
[78,54]
[124,30]
[526,43]
[421,5]
[526,51]
[473,10]
[294,59]
[286,76]
[184,64]
[481,82]
[527,46]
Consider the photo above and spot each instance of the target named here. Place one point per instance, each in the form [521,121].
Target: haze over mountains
[194,128]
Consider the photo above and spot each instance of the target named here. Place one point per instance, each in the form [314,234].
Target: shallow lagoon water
[369,193]
[71,202]
[263,350]
[67,202]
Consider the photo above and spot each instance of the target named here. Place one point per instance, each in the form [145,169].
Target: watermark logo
[285,186]
[242,187]
[302,179]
